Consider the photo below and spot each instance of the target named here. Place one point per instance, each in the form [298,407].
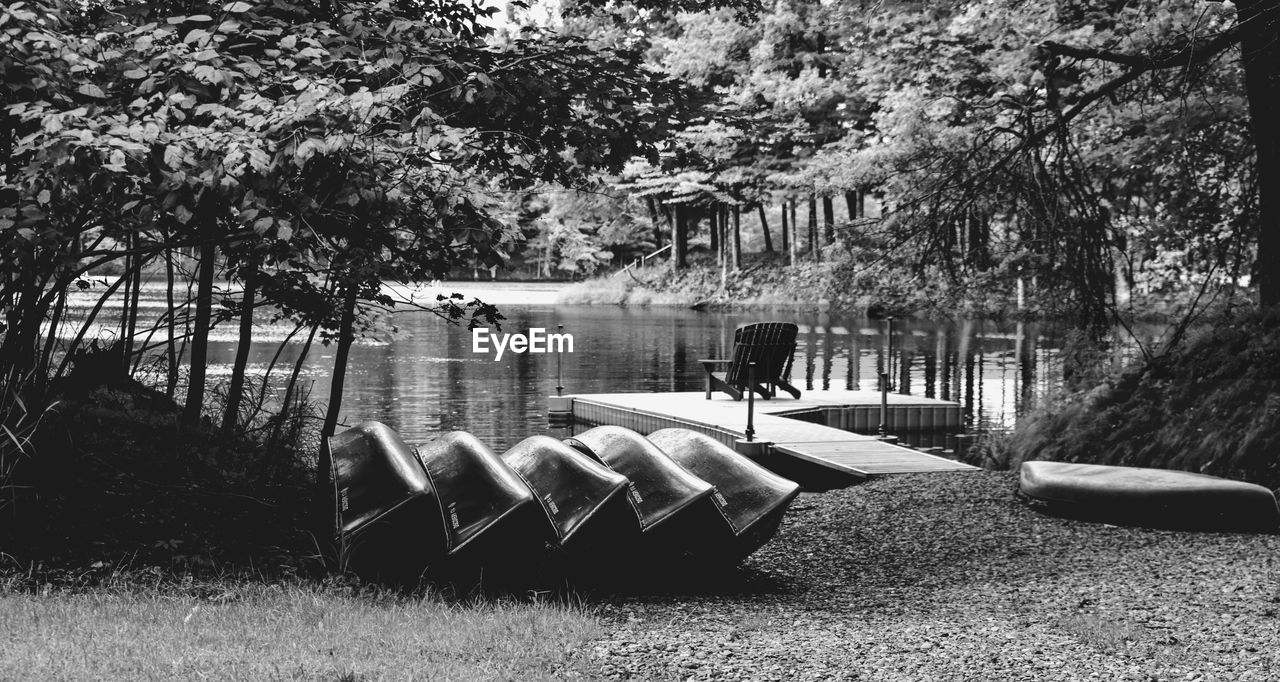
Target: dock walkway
[726,420]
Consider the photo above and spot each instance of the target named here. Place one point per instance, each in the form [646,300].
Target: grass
[610,290]
[1116,637]
[291,631]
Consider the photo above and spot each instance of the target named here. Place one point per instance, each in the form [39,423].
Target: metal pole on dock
[751,401]
[888,350]
[885,373]
[559,376]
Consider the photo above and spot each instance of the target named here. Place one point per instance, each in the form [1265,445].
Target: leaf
[196,35]
[236,7]
[183,214]
[43,197]
[91,90]
[261,225]
[135,74]
[173,156]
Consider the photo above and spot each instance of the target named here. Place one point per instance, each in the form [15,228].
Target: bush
[1211,406]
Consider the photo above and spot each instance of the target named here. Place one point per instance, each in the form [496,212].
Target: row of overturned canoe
[606,499]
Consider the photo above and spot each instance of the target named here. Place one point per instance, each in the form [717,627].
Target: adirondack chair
[770,345]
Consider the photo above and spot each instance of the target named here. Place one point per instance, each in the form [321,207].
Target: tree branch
[1188,53]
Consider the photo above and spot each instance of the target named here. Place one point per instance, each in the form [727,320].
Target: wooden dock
[776,423]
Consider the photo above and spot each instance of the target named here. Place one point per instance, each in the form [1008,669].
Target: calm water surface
[423,377]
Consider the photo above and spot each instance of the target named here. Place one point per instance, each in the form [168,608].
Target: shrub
[1210,406]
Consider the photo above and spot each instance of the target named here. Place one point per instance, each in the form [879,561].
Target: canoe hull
[1156,498]
[584,501]
[490,515]
[389,524]
[677,514]
[752,499]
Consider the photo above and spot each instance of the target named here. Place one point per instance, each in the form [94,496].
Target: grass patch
[1118,638]
[612,290]
[292,631]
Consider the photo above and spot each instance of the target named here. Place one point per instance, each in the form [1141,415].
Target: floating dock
[792,428]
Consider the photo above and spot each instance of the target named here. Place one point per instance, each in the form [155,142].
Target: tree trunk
[273,444]
[653,218]
[243,343]
[171,348]
[814,249]
[786,233]
[59,309]
[737,237]
[346,336]
[720,224]
[1260,53]
[200,334]
[828,220]
[126,324]
[856,203]
[714,216]
[680,259]
[795,230]
[134,292]
[764,229]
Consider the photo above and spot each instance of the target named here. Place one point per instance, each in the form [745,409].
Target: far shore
[497,292]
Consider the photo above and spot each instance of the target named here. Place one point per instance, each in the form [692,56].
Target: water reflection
[424,377]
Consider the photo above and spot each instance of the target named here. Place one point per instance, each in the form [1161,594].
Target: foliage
[996,153]
[304,153]
[1210,406]
[17,428]
[308,154]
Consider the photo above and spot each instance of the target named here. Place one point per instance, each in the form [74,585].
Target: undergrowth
[113,477]
[1211,405]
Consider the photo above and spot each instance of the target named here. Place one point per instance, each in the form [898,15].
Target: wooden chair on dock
[770,345]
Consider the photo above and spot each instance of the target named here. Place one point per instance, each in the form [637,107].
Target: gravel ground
[948,576]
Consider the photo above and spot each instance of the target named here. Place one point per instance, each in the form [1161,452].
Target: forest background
[285,160]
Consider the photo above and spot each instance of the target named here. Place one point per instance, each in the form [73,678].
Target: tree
[1253,31]
[315,150]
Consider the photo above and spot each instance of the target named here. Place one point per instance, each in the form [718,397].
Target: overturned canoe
[389,522]
[751,498]
[1158,498]
[675,508]
[584,501]
[489,512]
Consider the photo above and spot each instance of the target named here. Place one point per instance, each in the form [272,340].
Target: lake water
[422,376]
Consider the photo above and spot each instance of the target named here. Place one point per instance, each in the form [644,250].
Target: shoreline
[916,576]
[948,576]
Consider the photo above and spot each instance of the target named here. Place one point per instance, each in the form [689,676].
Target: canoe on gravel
[1158,498]
[676,512]
[389,521]
[751,498]
[585,502]
[489,512]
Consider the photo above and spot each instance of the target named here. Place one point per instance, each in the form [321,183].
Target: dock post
[559,376]
[751,401]
[884,404]
[888,350]
[886,371]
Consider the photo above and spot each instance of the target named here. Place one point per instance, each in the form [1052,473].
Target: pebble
[944,576]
